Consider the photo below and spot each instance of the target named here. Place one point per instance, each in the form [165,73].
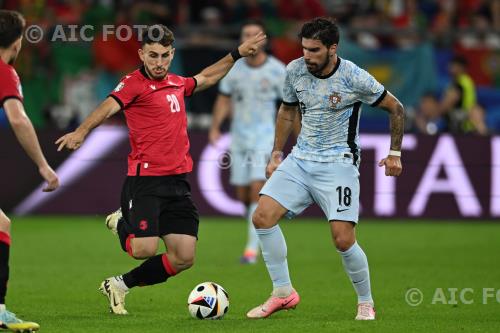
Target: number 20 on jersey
[174,103]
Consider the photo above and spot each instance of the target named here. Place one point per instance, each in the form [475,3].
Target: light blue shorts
[248,166]
[334,186]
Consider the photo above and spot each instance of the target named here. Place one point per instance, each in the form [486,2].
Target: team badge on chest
[335,99]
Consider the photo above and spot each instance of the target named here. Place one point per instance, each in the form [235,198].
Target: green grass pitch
[57,265]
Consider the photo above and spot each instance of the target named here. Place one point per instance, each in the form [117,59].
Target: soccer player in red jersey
[11,100]
[156,199]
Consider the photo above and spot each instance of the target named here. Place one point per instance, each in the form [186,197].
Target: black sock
[151,271]
[4,264]
[122,233]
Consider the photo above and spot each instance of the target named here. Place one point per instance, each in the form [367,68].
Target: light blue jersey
[330,107]
[254,93]
[323,165]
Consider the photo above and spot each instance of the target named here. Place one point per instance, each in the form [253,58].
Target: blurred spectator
[459,105]
[482,34]
[409,17]
[364,24]
[428,118]
[300,10]
[197,8]
[443,21]
[495,14]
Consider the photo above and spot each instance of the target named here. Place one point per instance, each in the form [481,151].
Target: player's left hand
[71,141]
[392,164]
[274,162]
[251,46]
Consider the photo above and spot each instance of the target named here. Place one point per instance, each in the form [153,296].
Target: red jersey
[10,85]
[157,122]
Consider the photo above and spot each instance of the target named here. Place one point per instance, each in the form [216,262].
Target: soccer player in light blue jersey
[323,166]
[251,90]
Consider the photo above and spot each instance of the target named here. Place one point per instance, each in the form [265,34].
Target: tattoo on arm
[397,126]
[397,119]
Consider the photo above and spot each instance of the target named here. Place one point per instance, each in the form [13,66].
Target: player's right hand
[274,162]
[252,45]
[213,136]
[50,177]
[71,141]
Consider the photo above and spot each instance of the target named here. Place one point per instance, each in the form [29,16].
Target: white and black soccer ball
[208,300]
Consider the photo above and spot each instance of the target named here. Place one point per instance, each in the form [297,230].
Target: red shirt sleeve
[10,85]
[126,91]
[189,85]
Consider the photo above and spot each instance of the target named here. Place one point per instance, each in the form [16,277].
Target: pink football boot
[274,304]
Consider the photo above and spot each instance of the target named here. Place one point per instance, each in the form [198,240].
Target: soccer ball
[208,300]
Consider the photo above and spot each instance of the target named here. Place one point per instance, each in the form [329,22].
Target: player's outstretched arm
[214,73]
[392,162]
[75,139]
[26,135]
[287,115]
[222,109]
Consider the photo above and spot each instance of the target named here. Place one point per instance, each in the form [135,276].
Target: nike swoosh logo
[299,91]
[287,302]
[341,210]
[108,290]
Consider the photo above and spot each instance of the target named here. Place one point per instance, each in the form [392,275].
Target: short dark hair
[11,27]
[256,22]
[459,59]
[157,33]
[323,29]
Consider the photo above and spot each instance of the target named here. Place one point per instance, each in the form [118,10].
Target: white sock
[2,307]
[118,281]
[283,291]
[356,266]
[273,245]
[253,239]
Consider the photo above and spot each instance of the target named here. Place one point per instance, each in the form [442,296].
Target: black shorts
[158,206]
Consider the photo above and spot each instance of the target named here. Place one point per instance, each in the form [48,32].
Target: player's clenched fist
[392,165]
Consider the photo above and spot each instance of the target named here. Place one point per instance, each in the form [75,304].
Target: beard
[316,69]
[155,75]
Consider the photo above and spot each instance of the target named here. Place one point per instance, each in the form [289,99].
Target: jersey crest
[334,99]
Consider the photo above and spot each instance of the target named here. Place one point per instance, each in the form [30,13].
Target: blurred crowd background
[426,52]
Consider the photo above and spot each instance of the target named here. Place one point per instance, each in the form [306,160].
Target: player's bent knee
[343,243]
[182,263]
[262,219]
